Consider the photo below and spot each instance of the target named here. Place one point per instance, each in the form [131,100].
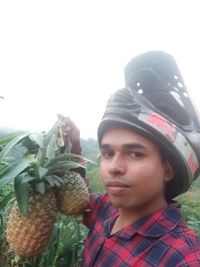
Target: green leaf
[69,164]
[13,170]
[52,148]
[64,166]
[42,153]
[40,187]
[53,180]
[2,167]
[50,133]
[10,145]
[6,199]
[68,157]
[37,138]
[27,178]
[58,178]
[8,137]
[22,192]
[17,152]
[42,171]
[49,180]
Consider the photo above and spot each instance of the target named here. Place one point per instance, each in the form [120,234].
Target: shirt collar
[152,225]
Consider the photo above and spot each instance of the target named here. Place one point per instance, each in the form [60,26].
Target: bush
[190,203]
[93,176]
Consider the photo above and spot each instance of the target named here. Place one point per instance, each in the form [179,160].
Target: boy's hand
[71,131]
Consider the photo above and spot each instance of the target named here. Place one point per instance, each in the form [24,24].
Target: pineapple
[28,234]
[38,166]
[73,197]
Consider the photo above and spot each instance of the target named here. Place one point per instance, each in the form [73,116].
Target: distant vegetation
[4,131]
[190,202]
[90,149]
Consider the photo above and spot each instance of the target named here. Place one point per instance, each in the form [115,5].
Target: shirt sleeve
[97,206]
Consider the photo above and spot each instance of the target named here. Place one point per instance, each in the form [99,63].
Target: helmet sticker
[193,163]
[187,151]
[170,132]
[161,124]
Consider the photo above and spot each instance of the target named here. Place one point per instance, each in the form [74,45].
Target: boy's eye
[136,154]
[106,153]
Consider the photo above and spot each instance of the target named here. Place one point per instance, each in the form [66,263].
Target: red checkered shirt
[159,239]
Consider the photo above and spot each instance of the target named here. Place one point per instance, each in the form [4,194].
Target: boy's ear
[169,171]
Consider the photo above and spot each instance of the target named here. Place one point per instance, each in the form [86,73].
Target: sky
[69,56]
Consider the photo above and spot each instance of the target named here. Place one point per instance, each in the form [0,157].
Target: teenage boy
[149,140]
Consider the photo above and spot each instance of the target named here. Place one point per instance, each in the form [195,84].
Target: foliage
[90,150]
[93,176]
[190,203]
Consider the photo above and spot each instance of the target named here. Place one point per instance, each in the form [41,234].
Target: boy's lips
[116,184]
[116,188]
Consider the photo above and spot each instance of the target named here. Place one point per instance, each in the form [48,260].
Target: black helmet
[156,104]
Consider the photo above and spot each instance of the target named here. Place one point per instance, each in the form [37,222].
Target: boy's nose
[116,165]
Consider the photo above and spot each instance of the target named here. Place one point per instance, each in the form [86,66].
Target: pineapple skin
[73,197]
[28,235]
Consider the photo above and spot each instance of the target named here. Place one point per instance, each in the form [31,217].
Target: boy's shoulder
[100,208]
[185,243]
[179,245]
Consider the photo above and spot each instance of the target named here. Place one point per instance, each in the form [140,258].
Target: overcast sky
[68,56]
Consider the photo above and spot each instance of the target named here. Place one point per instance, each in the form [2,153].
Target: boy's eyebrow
[125,146]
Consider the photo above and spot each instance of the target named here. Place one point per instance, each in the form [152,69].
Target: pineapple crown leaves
[35,162]
[21,187]
[13,170]
[10,145]
[8,171]
[8,137]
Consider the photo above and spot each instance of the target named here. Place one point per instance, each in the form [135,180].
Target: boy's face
[133,171]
